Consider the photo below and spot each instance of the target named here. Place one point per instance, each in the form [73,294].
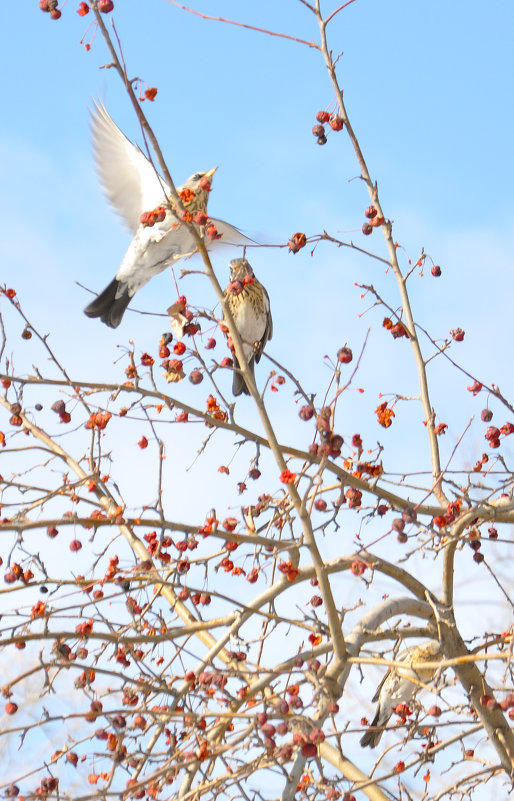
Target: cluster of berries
[374,220]
[323,117]
[50,7]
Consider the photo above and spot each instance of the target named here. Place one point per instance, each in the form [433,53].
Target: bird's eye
[197,176]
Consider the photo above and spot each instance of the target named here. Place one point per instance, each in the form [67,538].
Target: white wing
[129,179]
[230,234]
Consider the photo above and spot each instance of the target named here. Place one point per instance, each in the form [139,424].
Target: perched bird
[142,198]
[249,304]
[400,685]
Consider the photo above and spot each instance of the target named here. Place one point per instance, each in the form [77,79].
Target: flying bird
[143,200]
[399,686]
[249,304]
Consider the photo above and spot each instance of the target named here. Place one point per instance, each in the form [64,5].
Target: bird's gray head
[239,269]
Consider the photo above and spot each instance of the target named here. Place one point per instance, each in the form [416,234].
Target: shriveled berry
[409,515]
[305,413]
[492,433]
[196,377]
[321,140]
[436,271]
[58,407]
[322,116]
[370,212]
[367,229]
[457,334]
[318,130]
[486,415]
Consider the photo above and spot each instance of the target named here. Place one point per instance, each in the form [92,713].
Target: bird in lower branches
[249,305]
[400,685]
[143,200]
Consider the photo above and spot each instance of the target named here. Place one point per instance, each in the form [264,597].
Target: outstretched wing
[128,177]
[230,235]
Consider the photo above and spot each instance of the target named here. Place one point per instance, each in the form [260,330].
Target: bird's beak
[210,173]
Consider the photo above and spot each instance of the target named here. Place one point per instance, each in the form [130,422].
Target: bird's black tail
[372,737]
[110,304]
[238,383]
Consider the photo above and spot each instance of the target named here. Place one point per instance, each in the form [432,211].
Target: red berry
[211,343]
[457,334]
[336,122]
[322,116]
[75,545]
[486,415]
[309,750]
[11,708]
[493,534]
[320,504]
[436,271]
[254,473]
[370,212]
[435,711]
[344,355]
[367,229]
[105,6]
[55,14]
[297,242]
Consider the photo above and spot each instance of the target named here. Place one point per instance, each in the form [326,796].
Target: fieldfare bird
[400,685]
[142,199]
[249,304]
